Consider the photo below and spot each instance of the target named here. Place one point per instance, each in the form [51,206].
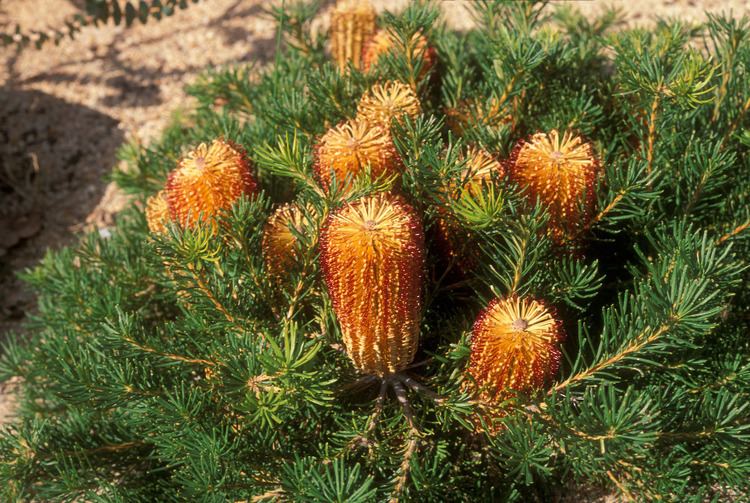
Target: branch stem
[170,356]
[733,232]
[641,340]
[652,132]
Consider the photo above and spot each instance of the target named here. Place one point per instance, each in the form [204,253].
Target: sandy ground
[65,110]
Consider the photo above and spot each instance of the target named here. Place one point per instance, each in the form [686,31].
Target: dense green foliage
[172,368]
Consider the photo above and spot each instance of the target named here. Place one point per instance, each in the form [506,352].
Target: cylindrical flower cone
[349,148]
[372,257]
[515,348]
[352,25]
[157,213]
[474,111]
[279,242]
[454,241]
[383,42]
[207,181]
[385,102]
[561,172]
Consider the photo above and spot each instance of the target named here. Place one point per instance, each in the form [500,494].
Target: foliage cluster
[172,368]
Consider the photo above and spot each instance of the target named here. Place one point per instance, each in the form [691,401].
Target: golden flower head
[561,172]
[347,150]
[515,347]
[480,168]
[384,41]
[487,112]
[157,213]
[207,181]
[352,24]
[372,258]
[279,242]
[455,242]
[384,102]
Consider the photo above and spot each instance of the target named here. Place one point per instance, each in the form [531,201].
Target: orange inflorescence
[515,347]
[208,181]
[352,24]
[384,42]
[474,111]
[157,213]
[372,257]
[279,251]
[480,168]
[560,171]
[455,242]
[385,102]
[349,148]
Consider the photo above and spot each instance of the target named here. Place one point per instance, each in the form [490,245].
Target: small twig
[625,493]
[209,294]
[273,495]
[733,232]
[411,446]
[518,268]
[638,342]
[373,422]
[652,132]
[737,120]
[378,408]
[169,356]
[421,388]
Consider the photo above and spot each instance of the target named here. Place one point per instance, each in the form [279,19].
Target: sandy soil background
[65,110]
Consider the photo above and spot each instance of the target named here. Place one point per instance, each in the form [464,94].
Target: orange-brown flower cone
[372,257]
[515,348]
[279,242]
[474,111]
[352,25]
[561,171]
[385,102]
[347,150]
[453,241]
[207,181]
[383,41]
[157,213]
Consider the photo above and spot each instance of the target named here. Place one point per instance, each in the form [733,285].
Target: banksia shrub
[207,181]
[247,361]
[279,242]
[515,347]
[560,171]
[372,258]
[352,24]
[385,102]
[384,42]
[350,148]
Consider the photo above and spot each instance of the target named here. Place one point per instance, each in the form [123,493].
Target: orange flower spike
[473,111]
[384,42]
[453,240]
[384,102]
[279,242]
[157,213]
[207,181]
[347,149]
[352,25]
[561,172]
[480,168]
[515,347]
[372,258]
